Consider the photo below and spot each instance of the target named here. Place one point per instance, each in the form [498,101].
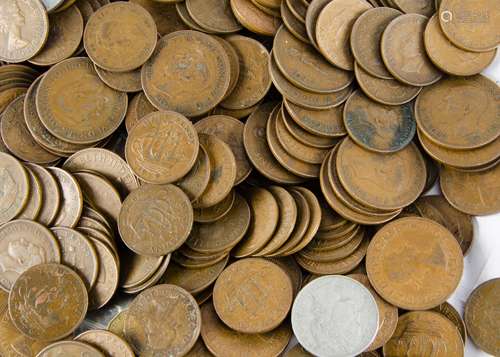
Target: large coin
[15,187]
[76,106]
[253,295]
[120,37]
[107,342]
[189,72]
[155,220]
[415,242]
[48,302]
[163,320]
[70,348]
[335,316]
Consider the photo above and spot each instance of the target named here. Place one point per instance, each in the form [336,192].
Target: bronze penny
[459,113]
[215,212]
[199,350]
[87,222]
[186,18]
[320,245]
[475,193]
[155,220]
[449,58]
[17,137]
[70,348]
[336,20]
[367,176]
[121,81]
[224,233]
[298,8]
[298,351]
[273,4]
[303,98]
[117,324]
[479,310]
[229,130]
[16,185]
[137,268]
[414,241]
[338,232]
[92,213]
[253,295]
[223,341]
[96,235]
[164,14]
[34,204]
[70,118]
[234,69]
[313,10]
[162,147]
[196,181]
[254,19]
[187,252]
[418,330]
[385,91]
[189,72]
[78,253]
[38,293]
[107,342]
[335,254]
[213,15]
[422,7]
[378,127]
[51,195]
[267,10]
[65,35]
[256,147]
[365,40]
[293,24]
[254,80]
[153,280]
[329,218]
[403,51]
[453,315]
[71,205]
[327,123]
[194,264]
[7,96]
[290,266]
[222,171]
[138,108]
[24,31]
[122,46]
[471,25]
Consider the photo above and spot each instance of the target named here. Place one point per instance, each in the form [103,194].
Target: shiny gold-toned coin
[34,204]
[107,342]
[69,348]
[254,19]
[139,107]
[196,181]
[71,205]
[164,14]
[17,187]
[214,15]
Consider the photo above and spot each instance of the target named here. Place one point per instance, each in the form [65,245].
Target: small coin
[253,295]
[164,14]
[107,342]
[34,204]
[189,72]
[71,205]
[70,348]
[273,4]
[39,292]
[254,19]
[215,212]
[192,264]
[292,23]
[162,148]
[213,15]
[403,51]
[196,181]
[122,46]
[121,81]
[426,325]
[51,194]
[417,240]
[139,107]
[453,315]
[335,306]
[164,319]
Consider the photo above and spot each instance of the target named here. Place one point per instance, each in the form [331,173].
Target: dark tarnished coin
[213,15]
[378,127]
[403,252]
[253,295]
[107,342]
[70,348]
[196,181]
[51,195]
[254,19]
[120,37]
[186,18]
[189,72]
[403,51]
[71,205]
[15,187]
[162,147]
[48,302]
[163,320]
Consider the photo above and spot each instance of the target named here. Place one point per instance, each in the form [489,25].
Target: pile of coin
[222,165]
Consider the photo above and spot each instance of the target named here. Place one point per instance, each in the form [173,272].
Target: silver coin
[335,316]
[51,5]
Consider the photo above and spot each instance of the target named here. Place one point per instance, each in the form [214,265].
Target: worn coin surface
[213,15]
[122,81]
[48,302]
[162,147]
[215,212]
[71,206]
[16,187]
[120,37]
[335,316]
[163,320]
[107,342]
[117,324]
[253,295]
[51,195]
[70,348]
[164,14]
[254,19]
[139,107]
[196,181]
[416,240]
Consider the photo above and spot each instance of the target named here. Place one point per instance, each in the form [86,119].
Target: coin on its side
[16,187]
[107,342]
[71,206]
[39,292]
[70,348]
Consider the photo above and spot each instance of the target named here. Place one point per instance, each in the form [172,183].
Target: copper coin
[222,171]
[416,240]
[313,11]
[329,218]
[107,342]
[253,295]
[51,194]
[297,351]
[293,24]
[69,348]
[189,72]
[403,51]
[16,185]
[137,268]
[471,25]
[365,40]
[153,280]
[378,127]
[121,81]
[65,35]
[367,175]
[117,324]
[124,45]
[265,216]
[453,315]
[194,264]
[268,10]
[418,330]
[199,350]
[336,20]
[162,147]
[215,212]
[8,95]
[164,14]
[24,31]
[234,69]
[254,19]
[459,113]
[71,206]
[223,341]
[335,254]
[213,15]
[319,245]
[189,253]
[96,235]
[475,193]
[229,130]
[137,109]
[224,233]
[196,181]
[38,293]
[34,204]
[290,266]
[155,220]
[298,8]
[423,7]
[273,4]
[186,18]
[259,154]
[254,80]
[76,106]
